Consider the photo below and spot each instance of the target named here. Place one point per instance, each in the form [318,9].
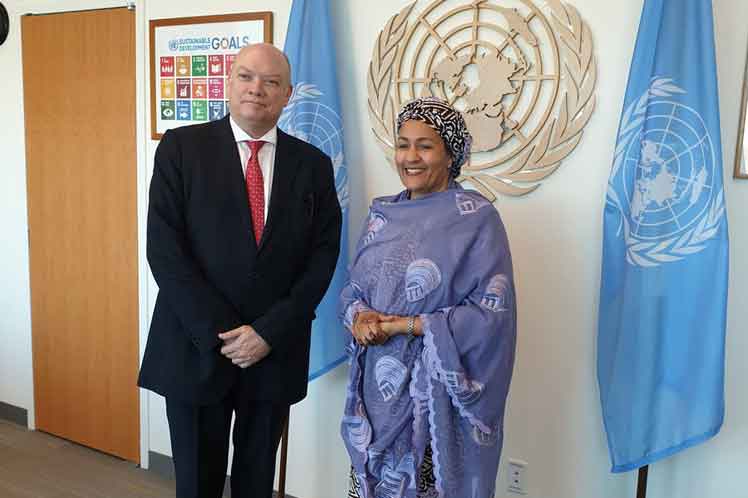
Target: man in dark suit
[243,238]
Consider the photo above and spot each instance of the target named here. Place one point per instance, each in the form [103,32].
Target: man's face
[259,88]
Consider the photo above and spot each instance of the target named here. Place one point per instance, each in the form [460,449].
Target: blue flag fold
[313,115]
[663,293]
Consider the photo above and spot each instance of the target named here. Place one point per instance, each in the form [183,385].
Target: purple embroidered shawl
[444,257]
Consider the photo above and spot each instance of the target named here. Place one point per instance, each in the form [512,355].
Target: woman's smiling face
[422,159]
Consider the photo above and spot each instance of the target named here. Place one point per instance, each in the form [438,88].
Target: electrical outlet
[517,475]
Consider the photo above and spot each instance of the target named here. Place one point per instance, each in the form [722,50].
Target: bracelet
[411,326]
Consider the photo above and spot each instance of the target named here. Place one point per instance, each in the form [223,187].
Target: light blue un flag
[313,115]
[663,292]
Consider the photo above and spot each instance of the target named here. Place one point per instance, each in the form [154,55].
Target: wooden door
[79,97]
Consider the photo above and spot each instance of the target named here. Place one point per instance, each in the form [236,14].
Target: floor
[37,465]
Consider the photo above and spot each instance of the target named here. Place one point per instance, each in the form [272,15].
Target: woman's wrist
[401,325]
[418,326]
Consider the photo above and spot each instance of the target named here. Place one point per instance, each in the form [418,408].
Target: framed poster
[191,60]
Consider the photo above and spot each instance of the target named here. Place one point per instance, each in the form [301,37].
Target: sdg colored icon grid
[194,87]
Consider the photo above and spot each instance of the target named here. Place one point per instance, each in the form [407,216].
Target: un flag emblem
[664,182]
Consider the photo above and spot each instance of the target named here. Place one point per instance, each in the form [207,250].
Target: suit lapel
[284,172]
[228,162]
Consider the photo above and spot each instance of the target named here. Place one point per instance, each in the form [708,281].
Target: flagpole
[641,482]
[283,461]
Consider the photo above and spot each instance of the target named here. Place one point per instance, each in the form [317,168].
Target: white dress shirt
[266,156]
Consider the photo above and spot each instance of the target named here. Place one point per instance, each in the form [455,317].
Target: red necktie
[256,189]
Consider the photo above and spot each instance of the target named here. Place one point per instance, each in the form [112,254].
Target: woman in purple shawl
[431,310]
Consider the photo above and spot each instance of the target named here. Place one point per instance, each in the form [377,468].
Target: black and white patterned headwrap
[447,122]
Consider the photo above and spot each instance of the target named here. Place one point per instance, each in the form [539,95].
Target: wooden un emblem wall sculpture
[522,72]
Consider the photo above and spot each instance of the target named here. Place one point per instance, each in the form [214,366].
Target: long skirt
[426,480]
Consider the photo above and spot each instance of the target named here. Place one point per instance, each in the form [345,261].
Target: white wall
[16,377]
[553,419]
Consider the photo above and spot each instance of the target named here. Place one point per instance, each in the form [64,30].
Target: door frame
[143,138]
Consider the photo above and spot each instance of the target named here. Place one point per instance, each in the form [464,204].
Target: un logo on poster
[308,119]
[663,181]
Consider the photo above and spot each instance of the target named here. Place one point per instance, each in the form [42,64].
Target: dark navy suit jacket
[213,277]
